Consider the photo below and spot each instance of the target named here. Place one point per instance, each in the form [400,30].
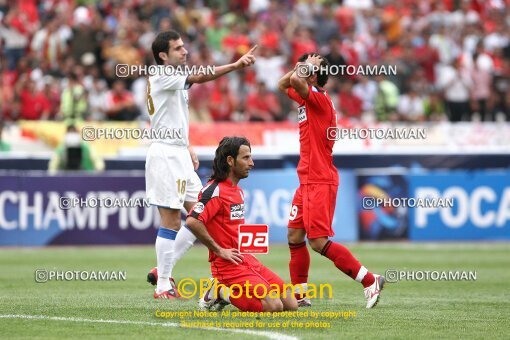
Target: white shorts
[170,179]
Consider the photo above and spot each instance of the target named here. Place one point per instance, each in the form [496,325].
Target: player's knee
[295,236]
[318,243]
[170,218]
[174,224]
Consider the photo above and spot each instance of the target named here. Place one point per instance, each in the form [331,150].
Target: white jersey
[167,103]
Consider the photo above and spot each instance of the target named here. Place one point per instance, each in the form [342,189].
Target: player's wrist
[218,251]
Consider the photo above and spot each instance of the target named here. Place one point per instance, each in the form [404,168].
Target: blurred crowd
[58,58]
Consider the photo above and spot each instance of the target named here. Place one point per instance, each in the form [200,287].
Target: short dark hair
[162,44]
[229,146]
[322,75]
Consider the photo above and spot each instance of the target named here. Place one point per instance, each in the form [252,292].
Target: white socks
[361,274]
[164,249]
[170,246]
[183,241]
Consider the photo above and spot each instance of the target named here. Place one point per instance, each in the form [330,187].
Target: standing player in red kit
[215,221]
[313,205]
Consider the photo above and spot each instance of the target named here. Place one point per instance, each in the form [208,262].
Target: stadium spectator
[236,42]
[302,42]
[85,39]
[14,32]
[386,101]
[222,102]
[392,15]
[199,99]
[73,102]
[411,107]
[327,27]
[481,66]
[366,90]
[267,38]
[349,104]
[445,45]
[215,33]
[334,54]
[434,108]
[51,91]
[33,104]
[122,52]
[262,105]
[120,103]
[269,67]
[74,154]
[97,99]
[456,82]
[50,42]
[57,37]
[426,56]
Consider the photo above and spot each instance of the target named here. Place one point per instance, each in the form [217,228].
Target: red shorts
[249,271]
[313,208]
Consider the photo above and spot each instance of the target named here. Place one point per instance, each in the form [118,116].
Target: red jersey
[316,115]
[220,207]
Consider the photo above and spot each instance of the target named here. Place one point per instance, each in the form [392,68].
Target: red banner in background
[211,133]
[282,137]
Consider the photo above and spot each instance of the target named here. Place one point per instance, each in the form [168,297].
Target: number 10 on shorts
[253,238]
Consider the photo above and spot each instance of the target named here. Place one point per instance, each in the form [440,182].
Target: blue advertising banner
[38,210]
[480,210]
[269,193]
[382,223]
[35,210]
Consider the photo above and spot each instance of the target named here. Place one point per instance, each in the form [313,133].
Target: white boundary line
[269,335]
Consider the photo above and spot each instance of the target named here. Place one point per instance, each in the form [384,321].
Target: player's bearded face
[244,163]
[177,54]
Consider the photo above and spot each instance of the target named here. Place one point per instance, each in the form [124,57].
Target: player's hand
[194,158]
[232,255]
[246,60]
[314,59]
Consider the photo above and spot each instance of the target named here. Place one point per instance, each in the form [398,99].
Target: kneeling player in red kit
[215,221]
[314,202]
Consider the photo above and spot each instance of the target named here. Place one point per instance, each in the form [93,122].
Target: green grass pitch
[417,309]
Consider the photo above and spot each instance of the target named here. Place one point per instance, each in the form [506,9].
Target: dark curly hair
[322,74]
[229,146]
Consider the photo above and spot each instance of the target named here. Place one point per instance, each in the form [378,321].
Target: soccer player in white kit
[170,177]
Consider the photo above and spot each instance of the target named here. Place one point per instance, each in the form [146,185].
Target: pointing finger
[253,49]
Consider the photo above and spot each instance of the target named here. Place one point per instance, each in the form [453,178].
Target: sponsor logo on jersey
[199,208]
[301,114]
[253,238]
[237,211]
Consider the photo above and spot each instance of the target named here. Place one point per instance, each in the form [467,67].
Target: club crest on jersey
[199,208]
[237,211]
[301,114]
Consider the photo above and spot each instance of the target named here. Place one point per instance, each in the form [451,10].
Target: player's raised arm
[200,231]
[298,82]
[246,60]
[304,75]
[284,82]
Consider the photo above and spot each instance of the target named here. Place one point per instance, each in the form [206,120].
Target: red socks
[347,263]
[299,263]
